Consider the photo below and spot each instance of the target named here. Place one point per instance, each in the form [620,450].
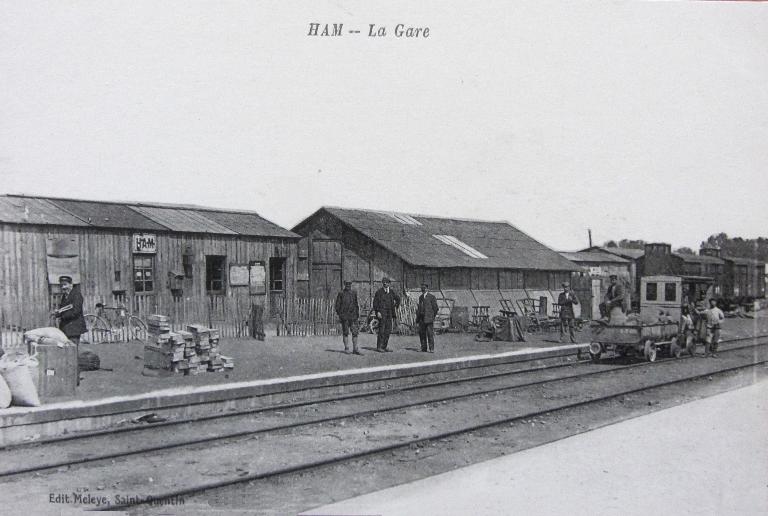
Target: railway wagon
[645,340]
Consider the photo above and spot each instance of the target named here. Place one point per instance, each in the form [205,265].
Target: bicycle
[113,324]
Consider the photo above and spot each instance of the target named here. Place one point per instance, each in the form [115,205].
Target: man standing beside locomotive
[566,300]
[348,311]
[425,317]
[385,302]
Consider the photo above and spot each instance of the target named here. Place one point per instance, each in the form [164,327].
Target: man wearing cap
[614,296]
[385,302]
[425,317]
[349,312]
[566,300]
[70,312]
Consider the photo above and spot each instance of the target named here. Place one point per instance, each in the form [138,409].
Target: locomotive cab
[669,294]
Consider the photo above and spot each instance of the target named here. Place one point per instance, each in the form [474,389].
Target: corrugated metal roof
[108,215]
[187,221]
[248,224]
[697,258]
[624,252]
[22,209]
[594,256]
[505,246]
[31,210]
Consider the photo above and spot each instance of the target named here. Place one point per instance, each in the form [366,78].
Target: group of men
[704,323]
[385,304]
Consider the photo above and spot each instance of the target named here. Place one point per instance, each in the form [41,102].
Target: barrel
[57,372]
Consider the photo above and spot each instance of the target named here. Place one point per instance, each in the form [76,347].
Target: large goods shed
[470,263]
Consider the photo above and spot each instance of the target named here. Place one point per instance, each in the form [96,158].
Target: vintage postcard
[383,258]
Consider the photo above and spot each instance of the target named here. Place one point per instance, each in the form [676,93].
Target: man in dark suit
[615,294]
[425,316]
[70,312]
[385,303]
[566,300]
[613,297]
[348,311]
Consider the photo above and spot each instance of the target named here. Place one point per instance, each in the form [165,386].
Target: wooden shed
[597,267]
[470,263]
[191,262]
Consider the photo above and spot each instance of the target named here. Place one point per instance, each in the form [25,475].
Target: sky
[637,120]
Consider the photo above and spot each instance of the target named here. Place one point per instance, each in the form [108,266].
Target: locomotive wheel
[650,351]
[595,350]
[675,350]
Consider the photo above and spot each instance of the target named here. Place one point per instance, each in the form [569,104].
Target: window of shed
[277,274]
[143,273]
[670,292]
[186,263]
[651,292]
[214,273]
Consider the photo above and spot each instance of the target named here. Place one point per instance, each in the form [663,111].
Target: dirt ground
[278,357]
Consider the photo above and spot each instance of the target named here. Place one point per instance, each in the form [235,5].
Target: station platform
[707,457]
[188,400]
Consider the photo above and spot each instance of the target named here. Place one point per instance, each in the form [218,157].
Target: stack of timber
[190,352]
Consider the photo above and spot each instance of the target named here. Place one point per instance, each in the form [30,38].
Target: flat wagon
[645,340]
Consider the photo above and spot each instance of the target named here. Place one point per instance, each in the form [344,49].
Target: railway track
[297,429]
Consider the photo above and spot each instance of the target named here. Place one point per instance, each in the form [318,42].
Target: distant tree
[685,250]
[632,244]
[756,248]
[610,243]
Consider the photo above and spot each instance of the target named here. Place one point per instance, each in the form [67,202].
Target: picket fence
[293,317]
[229,315]
[303,317]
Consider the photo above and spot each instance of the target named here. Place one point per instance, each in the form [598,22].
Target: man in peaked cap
[348,311]
[566,300]
[385,303]
[615,295]
[70,312]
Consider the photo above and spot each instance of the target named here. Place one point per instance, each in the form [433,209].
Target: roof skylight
[461,246]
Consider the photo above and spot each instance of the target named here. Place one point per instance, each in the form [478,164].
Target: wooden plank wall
[24,285]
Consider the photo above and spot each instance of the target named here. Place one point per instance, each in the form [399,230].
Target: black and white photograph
[386,258]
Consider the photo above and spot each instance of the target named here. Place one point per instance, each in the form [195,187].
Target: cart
[646,340]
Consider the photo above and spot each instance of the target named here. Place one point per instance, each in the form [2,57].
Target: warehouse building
[203,264]
[469,264]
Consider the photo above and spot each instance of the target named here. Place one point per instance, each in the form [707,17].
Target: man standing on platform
[425,317]
[566,300]
[70,312]
[349,313]
[385,302]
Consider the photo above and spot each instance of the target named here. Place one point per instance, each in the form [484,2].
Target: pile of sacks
[19,375]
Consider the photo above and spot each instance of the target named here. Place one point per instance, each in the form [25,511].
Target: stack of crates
[190,352]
